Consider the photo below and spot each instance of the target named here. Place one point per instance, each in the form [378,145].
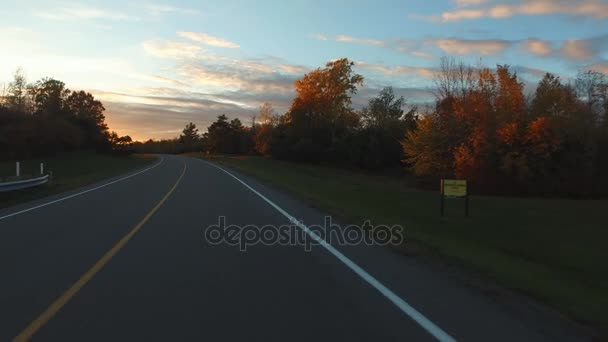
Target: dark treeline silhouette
[482,127]
[46,118]
[223,136]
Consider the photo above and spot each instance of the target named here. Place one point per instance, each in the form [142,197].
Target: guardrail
[23,184]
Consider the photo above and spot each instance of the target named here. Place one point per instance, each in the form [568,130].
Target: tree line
[321,125]
[482,127]
[46,118]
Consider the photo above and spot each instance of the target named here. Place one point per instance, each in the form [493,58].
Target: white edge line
[414,314]
[82,192]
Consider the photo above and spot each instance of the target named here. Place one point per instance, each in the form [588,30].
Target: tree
[16,97]
[85,107]
[454,79]
[321,115]
[474,132]
[267,114]
[189,136]
[218,135]
[552,98]
[87,112]
[49,96]
[120,144]
[263,134]
[427,150]
[62,120]
[378,143]
[383,109]
[238,137]
[591,86]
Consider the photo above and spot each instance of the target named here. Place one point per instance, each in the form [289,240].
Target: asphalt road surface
[127,259]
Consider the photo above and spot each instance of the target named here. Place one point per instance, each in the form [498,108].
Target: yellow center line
[52,310]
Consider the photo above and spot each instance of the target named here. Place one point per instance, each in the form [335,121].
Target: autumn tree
[321,113]
[427,150]
[267,122]
[476,130]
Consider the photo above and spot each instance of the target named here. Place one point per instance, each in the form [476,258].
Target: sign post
[454,188]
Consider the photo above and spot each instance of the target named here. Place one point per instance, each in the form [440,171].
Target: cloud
[461,15]
[342,38]
[467,47]
[422,54]
[528,71]
[571,49]
[85,13]
[577,49]
[408,46]
[144,116]
[538,47]
[150,112]
[319,36]
[217,73]
[158,9]
[601,67]
[206,39]
[419,48]
[423,72]
[365,41]
[293,69]
[596,9]
[166,80]
[171,49]
[465,3]
[243,76]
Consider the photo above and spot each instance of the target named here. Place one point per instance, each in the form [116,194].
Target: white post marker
[41,168]
[18,169]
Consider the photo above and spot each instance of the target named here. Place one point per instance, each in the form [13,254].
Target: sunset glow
[158,65]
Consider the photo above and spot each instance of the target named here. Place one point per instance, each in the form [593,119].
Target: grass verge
[552,249]
[70,171]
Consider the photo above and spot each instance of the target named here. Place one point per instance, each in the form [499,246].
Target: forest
[46,118]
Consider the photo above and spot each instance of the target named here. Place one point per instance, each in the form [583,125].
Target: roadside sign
[454,188]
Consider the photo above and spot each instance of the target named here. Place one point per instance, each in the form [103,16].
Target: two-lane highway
[129,261]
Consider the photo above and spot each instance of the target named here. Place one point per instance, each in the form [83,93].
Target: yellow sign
[454,187]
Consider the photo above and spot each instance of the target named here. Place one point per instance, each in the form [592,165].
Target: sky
[157,65]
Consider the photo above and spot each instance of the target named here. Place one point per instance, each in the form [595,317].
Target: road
[129,261]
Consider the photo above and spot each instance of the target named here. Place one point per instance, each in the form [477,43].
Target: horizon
[157,66]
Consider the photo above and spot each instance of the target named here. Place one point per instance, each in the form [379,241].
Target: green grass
[69,171]
[552,249]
